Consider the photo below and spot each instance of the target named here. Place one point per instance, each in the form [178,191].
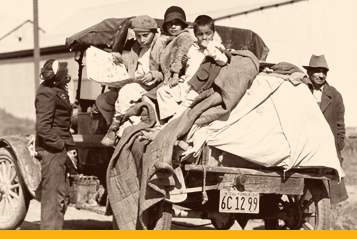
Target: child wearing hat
[174,100]
[178,42]
[143,64]
[176,46]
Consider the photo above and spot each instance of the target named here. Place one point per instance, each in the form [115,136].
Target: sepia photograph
[178,115]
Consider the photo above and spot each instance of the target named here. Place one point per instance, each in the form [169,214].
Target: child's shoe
[109,138]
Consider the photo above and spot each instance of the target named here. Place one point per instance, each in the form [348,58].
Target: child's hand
[184,60]
[117,57]
[204,44]
[166,81]
[146,78]
[174,80]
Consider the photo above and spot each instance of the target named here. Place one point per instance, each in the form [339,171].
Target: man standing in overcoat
[53,113]
[332,107]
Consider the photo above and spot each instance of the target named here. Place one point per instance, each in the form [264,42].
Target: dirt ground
[345,217]
[345,214]
[84,220]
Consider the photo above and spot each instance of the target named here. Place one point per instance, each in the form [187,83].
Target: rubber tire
[20,213]
[226,226]
[322,205]
[160,216]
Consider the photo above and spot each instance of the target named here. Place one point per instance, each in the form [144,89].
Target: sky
[51,12]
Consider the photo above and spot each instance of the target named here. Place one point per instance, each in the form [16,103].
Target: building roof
[8,23]
[17,28]
[16,35]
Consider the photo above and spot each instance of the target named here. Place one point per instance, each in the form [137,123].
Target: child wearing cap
[173,101]
[143,63]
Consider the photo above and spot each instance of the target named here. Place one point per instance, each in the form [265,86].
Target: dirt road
[84,220]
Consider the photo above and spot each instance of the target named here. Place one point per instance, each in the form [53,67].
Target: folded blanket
[125,167]
[230,85]
[285,68]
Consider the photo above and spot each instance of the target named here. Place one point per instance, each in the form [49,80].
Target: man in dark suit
[53,112]
[332,107]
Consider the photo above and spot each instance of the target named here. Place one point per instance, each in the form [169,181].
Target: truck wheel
[14,200]
[310,211]
[160,216]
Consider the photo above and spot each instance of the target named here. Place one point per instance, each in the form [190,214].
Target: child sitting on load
[177,45]
[143,63]
[173,99]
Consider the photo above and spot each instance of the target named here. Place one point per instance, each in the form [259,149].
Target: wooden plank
[225,159]
[261,172]
[264,184]
[259,184]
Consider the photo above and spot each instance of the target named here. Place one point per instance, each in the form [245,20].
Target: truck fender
[29,166]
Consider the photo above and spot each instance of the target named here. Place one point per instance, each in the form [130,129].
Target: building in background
[293,31]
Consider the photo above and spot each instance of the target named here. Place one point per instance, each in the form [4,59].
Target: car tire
[14,198]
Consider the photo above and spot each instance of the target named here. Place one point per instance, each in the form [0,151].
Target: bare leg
[154,106]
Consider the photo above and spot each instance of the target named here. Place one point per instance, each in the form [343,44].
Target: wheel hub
[295,215]
[4,190]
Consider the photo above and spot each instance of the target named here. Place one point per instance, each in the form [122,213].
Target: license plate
[238,202]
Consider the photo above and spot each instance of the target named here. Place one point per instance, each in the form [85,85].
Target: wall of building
[294,32]
[17,91]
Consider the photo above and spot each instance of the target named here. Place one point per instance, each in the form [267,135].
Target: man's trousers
[55,189]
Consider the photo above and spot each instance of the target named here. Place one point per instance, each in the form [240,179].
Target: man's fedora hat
[317,62]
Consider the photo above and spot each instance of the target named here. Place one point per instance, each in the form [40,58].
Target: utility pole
[36,49]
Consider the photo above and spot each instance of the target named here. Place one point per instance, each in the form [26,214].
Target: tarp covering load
[277,123]
[100,35]
[112,33]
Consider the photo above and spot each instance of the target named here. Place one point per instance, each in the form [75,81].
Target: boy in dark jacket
[53,113]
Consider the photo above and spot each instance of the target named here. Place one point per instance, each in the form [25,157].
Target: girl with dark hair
[173,101]
[176,46]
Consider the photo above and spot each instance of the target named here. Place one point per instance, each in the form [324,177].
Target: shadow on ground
[72,225]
